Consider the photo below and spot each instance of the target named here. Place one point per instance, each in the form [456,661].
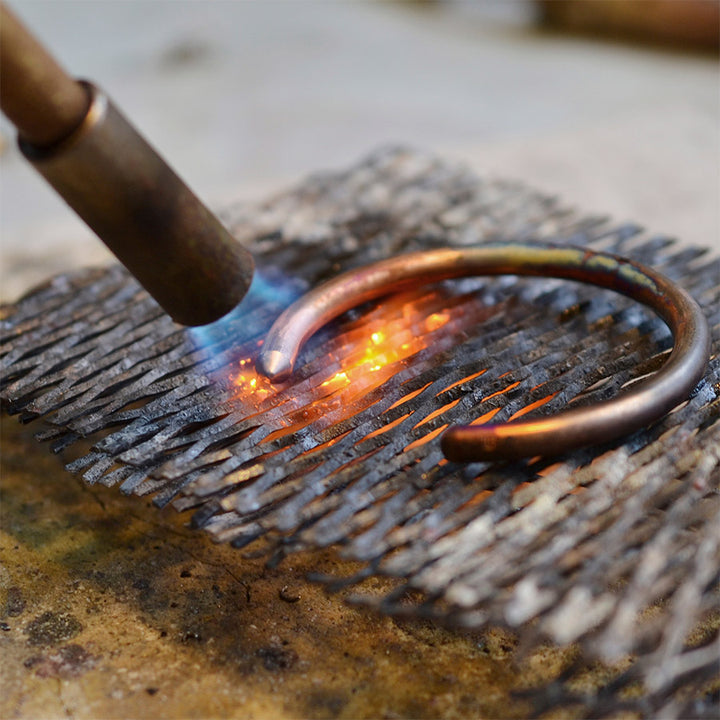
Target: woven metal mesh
[616,548]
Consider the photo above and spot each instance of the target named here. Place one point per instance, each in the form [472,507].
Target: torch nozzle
[119,185]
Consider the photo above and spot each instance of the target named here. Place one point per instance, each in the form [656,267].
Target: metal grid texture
[616,548]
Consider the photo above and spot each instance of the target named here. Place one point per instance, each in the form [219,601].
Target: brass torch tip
[156,226]
[118,184]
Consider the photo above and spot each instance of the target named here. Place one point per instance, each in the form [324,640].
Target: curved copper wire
[646,401]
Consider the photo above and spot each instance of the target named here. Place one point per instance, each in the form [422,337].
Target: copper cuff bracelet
[646,401]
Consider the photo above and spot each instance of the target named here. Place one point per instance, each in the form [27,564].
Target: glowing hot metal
[644,403]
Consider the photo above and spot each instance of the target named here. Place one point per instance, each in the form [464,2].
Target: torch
[75,137]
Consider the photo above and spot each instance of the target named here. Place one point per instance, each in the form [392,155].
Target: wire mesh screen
[616,548]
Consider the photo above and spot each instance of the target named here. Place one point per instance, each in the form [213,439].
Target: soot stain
[51,628]
[15,603]
[142,584]
[276,658]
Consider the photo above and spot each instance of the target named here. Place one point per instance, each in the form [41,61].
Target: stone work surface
[111,609]
[614,548]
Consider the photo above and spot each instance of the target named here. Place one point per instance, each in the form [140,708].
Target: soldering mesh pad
[616,548]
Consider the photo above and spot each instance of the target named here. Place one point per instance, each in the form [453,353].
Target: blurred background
[614,105]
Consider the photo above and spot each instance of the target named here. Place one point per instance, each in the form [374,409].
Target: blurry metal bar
[645,402]
[118,184]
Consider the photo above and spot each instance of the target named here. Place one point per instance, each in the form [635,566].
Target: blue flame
[270,293]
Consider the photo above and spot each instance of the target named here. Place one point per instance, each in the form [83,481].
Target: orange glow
[485,418]
[533,405]
[436,321]
[476,500]
[425,438]
[384,342]
[251,384]
[356,361]
[384,428]
[466,379]
[339,378]
[357,365]
[437,412]
[409,396]
[504,390]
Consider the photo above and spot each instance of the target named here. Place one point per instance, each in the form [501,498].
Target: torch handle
[43,102]
[119,185]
